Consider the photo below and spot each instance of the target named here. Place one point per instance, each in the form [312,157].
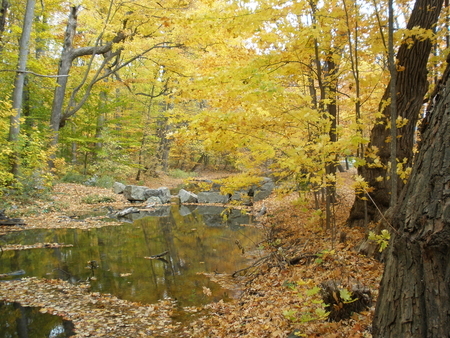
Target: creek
[196,241]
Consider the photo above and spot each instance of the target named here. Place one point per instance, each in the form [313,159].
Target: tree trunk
[330,167]
[68,55]
[411,87]
[14,129]
[393,106]
[163,151]
[414,298]
[4,6]
[65,64]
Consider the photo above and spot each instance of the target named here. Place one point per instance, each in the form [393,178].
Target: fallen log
[5,220]
[12,221]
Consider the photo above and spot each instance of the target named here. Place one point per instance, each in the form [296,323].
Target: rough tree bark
[414,298]
[411,86]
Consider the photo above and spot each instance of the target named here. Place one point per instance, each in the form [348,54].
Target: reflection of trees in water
[174,266]
[24,322]
[193,247]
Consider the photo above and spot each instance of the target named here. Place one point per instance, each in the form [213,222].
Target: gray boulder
[164,194]
[187,196]
[264,190]
[211,197]
[152,201]
[140,193]
[118,187]
[136,193]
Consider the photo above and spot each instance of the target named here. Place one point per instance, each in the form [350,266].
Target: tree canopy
[286,87]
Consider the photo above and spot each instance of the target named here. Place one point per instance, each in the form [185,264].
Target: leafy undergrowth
[279,295]
[283,294]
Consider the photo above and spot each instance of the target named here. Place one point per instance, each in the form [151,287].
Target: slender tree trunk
[101,118]
[14,129]
[411,84]
[162,130]
[354,62]
[393,107]
[145,133]
[331,71]
[414,298]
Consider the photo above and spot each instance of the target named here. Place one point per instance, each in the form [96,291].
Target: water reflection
[18,321]
[196,240]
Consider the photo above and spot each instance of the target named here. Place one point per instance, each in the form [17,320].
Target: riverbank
[278,296]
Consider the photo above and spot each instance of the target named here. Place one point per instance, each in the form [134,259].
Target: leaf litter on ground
[271,300]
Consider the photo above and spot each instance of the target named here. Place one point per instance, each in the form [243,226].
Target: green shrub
[73,177]
[94,181]
[25,190]
[105,182]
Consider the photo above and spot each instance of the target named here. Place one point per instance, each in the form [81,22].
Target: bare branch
[29,72]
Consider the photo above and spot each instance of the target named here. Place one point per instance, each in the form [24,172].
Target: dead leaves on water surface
[9,247]
[94,314]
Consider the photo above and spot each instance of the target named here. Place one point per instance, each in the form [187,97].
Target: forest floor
[280,294]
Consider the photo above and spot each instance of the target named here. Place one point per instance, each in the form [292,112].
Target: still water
[18,321]
[196,241]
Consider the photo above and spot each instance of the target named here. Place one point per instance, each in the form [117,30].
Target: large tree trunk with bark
[411,87]
[414,298]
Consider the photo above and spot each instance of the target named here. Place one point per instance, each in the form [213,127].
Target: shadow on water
[196,241]
[18,321]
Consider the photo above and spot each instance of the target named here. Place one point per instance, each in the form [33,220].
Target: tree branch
[29,72]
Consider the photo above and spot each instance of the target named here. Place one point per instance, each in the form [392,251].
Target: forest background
[126,90]
[121,89]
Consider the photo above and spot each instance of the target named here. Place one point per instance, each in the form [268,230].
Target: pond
[18,321]
[113,257]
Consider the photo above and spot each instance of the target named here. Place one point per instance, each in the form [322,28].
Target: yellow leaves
[401,121]
[239,182]
[403,171]
[361,186]
[417,33]
[381,239]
